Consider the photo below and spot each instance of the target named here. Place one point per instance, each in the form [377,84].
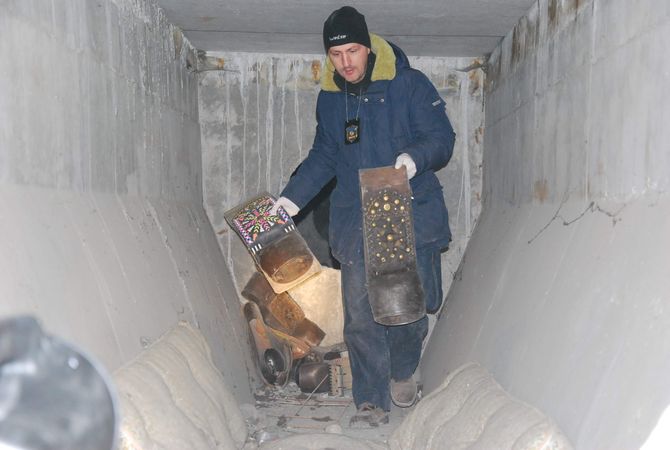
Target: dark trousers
[378,353]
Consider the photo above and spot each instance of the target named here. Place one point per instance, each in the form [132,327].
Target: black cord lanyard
[352,128]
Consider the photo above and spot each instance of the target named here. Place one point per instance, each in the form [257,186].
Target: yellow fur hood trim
[384,68]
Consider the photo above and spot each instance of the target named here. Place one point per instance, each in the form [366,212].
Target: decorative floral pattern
[255,218]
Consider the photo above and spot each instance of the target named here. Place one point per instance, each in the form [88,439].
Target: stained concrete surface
[103,235]
[562,294]
[434,28]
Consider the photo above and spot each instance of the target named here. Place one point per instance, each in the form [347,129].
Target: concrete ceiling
[431,27]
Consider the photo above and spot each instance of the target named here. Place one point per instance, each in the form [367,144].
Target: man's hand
[290,207]
[405,160]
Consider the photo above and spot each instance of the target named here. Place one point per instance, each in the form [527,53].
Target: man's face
[350,60]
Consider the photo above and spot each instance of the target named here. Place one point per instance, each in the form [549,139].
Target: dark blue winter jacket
[401,112]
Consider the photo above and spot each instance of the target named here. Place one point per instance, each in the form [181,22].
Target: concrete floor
[282,412]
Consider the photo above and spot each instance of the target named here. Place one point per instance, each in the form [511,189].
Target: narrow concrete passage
[118,158]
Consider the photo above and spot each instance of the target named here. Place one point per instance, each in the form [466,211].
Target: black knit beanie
[344,26]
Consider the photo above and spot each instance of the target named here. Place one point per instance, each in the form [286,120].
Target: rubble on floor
[280,413]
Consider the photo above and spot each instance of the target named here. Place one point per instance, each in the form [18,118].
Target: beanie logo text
[343,26]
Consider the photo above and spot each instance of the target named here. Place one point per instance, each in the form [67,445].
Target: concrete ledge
[470,410]
[172,396]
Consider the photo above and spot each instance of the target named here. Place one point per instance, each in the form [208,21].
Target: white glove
[404,159]
[290,207]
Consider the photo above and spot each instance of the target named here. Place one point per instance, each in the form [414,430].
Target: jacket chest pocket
[373,99]
[376,113]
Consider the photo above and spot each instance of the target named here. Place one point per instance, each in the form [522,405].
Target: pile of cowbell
[287,343]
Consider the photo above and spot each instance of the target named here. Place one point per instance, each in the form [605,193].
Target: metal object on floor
[325,372]
[273,355]
[313,377]
[394,287]
[281,312]
[52,395]
[341,380]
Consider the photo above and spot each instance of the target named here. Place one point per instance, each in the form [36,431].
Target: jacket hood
[389,57]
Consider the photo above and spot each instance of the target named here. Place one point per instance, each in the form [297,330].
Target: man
[374,111]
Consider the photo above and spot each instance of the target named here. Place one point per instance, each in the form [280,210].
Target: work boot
[368,416]
[403,392]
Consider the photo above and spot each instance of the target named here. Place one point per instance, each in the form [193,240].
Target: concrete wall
[563,290]
[102,231]
[258,123]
